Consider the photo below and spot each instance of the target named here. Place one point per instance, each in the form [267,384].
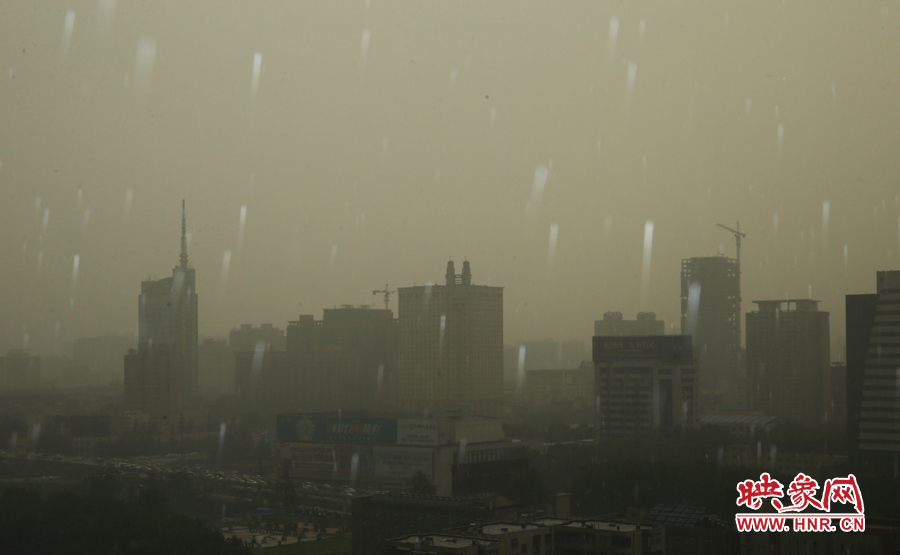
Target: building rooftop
[444,540]
[674,515]
[736,420]
[605,525]
[498,528]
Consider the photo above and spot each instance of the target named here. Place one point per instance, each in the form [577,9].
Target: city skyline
[541,152]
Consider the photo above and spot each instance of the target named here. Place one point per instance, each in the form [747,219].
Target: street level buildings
[451,345]
[789,360]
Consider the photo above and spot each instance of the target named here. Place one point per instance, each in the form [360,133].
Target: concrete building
[247,337]
[167,314]
[711,315]
[19,370]
[643,383]
[614,324]
[346,361]
[789,360]
[451,345]
[873,363]
[442,543]
[154,380]
[216,368]
[461,456]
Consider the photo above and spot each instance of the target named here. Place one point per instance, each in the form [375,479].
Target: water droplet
[254,81]
[551,251]
[611,39]
[364,49]
[645,268]
[226,265]
[75,262]
[68,26]
[453,74]
[241,222]
[537,189]
[826,214]
[143,65]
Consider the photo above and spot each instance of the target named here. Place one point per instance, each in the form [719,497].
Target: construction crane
[738,235]
[387,295]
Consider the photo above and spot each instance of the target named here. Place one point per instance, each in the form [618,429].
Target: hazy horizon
[367,142]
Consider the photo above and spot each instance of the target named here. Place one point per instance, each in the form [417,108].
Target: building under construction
[711,315]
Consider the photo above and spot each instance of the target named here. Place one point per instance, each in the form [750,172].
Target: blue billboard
[331,429]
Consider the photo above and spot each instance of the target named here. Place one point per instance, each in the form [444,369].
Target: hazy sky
[370,141]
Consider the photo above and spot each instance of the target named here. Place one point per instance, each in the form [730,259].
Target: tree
[421,484]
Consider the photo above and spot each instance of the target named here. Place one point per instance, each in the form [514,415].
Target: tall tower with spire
[167,322]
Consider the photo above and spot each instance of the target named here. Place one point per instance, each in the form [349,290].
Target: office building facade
[168,314]
[789,360]
[451,345]
[643,383]
[873,364]
[711,315]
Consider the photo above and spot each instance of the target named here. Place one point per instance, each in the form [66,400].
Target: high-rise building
[711,315]
[167,313]
[643,383]
[216,367]
[154,381]
[859,314]
[167,321]
[789,361]
[613,324]
[873,363]
[247,337]
[451,345]
[346,361]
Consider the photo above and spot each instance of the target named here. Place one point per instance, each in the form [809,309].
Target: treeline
[101,519]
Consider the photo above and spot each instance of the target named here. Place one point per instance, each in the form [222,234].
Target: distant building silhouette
[613,324]
[860,316]
[154,380]
[215,362]
[873,359]
[451,345]
[711,315]
[19,370]
[167,313]
[643,383]
[789,361]
[246,337]
[345,361]
[166,360]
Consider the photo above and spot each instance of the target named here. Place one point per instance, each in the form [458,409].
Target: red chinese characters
[752,493]
[802,492]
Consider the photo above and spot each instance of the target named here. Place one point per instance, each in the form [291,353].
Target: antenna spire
[184,255]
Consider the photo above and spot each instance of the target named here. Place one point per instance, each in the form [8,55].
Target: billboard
[402,462]
[419,431]
[331,429]
[672,349]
